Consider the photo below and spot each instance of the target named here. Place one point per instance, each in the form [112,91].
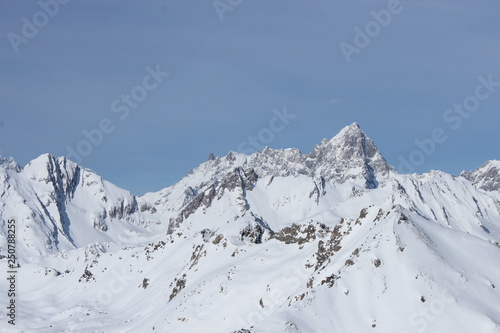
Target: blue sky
[227,79]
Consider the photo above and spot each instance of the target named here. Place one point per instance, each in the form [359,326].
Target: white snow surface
[277,241]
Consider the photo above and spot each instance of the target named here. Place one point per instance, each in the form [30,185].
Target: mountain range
[335,240]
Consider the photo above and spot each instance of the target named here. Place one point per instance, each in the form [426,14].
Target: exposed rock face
[239,180]
[299,234]
[486,177]
[347,156]
[9,163]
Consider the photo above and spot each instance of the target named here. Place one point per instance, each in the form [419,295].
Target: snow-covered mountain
[61,206]
[277,241]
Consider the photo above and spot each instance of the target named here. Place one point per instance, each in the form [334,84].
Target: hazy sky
[287,73]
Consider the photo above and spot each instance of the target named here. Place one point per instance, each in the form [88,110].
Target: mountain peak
[9,163]
[486,177]
[350,153]
[352,130]
[354,126]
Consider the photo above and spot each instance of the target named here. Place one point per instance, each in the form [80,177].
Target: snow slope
[277,241]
